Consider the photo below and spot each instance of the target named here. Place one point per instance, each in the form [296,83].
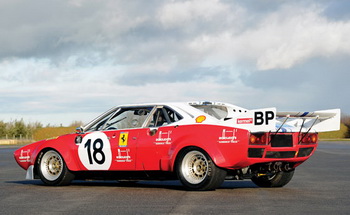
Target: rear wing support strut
[304,135]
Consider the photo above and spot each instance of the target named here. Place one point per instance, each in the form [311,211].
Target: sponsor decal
[123,139]
[200,119]
[95,151]
[123,156]
[163,138]
[304,114]
[228,136]
[24,156]
[261,118]
[245,121]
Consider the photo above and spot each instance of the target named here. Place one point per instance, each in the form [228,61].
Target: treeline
[346,121]
[344,131]
[18,129]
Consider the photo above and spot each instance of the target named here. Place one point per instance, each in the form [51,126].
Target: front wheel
[277,180]
[197,171]
[53,170]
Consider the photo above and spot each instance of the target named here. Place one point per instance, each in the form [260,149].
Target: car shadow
[171,185]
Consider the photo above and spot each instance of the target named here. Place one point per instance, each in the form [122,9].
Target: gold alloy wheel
[51,165]
[194,167]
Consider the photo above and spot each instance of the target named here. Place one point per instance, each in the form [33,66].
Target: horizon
[71,60]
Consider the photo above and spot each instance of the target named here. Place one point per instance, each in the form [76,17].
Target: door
[153,146]
[155,140]
[122,131]
[123,145]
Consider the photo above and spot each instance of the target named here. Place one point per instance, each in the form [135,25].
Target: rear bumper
[301,152]
[287,148]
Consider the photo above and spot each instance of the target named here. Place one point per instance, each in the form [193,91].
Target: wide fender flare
[69,154]
[213,151]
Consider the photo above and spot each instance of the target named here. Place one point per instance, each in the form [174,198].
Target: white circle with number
[95,151]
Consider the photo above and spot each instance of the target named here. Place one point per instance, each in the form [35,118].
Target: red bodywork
[147,149]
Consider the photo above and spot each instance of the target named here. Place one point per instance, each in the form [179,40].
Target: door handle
[153,131]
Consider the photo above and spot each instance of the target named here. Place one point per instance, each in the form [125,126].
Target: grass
[50,132]
[341,134]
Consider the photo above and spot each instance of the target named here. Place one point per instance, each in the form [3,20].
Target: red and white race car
[199,143]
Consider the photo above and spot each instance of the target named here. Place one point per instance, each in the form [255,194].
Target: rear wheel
[197,171]
[277,180]
[53,170]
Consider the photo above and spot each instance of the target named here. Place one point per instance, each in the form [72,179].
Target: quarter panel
[225,145]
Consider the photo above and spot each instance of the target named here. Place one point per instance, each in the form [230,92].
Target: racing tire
[196,170]
[277,180]
[52,169]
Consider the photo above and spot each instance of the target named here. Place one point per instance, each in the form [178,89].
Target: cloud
[85,56]
[280,40]
[193,32]
[305,34]
[184,13]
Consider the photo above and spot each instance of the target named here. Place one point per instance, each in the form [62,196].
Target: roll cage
[129,117]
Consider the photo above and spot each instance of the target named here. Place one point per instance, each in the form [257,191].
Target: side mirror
[79,130]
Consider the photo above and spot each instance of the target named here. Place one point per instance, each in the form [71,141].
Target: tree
[18,129]
[346,120]
[3,131]
[76,124]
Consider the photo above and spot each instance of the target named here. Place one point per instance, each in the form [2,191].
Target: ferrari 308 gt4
[199,143]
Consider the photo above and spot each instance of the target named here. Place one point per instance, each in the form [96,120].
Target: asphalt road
[319,186]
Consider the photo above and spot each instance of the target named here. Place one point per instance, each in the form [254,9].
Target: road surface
[320,186]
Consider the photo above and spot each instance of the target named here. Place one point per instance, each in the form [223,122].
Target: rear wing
[269,120]
[319,121]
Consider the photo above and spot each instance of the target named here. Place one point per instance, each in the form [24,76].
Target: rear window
[219,112]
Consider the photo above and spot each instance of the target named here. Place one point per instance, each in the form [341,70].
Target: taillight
[309,138]
[258,139]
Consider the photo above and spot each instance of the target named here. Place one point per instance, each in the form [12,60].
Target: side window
[219,112]
[173,116]
[128,118]
[164,116]
[158,118]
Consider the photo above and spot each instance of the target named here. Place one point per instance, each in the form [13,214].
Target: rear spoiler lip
[306,115]
[318,121]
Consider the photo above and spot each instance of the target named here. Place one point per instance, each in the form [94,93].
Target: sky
[68,60]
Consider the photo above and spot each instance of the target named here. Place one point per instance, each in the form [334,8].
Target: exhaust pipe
[277,166]
[286,167]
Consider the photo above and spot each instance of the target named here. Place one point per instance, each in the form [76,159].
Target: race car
[199,143]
